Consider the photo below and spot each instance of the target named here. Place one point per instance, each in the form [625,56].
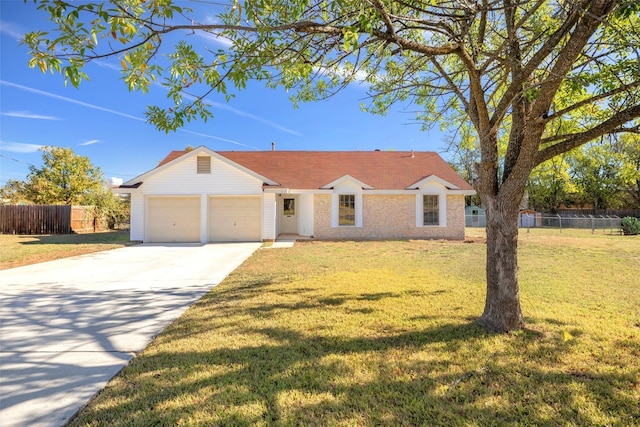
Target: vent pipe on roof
[412,154]
[273,146]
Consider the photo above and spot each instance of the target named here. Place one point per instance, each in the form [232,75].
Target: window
[430,210]
[204,164]
[289,207]
[347,209]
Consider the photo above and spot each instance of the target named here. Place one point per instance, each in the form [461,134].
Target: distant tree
[66,178]
[546,76]
[63,178]
[550,185]
[13,192]
[112,208]
[630,148]
[463,147]
[600,175]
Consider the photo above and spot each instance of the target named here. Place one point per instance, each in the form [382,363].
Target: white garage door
[173,219]
[235,219]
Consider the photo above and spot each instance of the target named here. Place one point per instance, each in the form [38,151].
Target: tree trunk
[502,312]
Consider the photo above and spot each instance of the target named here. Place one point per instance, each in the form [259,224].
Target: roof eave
[432,178]
[195,152]
[344,178]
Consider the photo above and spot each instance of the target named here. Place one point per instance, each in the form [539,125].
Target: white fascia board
[463,192]
[154,171]
[118,190]
[306,191]
[344,178]
[280,190]
[389,192]
[195,152]
[432,178]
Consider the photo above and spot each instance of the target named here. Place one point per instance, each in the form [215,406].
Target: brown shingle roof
[382,170]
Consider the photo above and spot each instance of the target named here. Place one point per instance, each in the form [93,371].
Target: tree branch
[578,139]
[551,44]
[592,100]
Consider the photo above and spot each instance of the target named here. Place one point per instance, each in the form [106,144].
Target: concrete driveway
[68,326]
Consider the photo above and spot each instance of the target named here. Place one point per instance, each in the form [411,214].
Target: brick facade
[389,217]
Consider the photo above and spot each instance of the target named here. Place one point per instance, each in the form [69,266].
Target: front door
[289,216]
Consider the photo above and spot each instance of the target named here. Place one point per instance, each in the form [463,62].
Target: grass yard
[17,250]
[383,333]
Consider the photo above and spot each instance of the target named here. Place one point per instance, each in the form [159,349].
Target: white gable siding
[269,209]
[136,224]
[181,178]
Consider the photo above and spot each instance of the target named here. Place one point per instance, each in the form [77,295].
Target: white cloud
[10,29]
[90,142]
[241,113]
[70,100]
[28,115]
[19,147]
[107,64]
[254,117]
[129,116]
[213,38]
[343,72]
[217,138]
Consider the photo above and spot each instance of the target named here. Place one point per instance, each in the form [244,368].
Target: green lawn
[384,333]
[17,250]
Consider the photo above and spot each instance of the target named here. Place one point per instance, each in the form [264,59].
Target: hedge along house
[206,196]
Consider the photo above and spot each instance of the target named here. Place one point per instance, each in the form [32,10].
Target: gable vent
[204,164]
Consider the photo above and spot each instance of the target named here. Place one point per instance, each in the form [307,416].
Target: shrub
[630,225]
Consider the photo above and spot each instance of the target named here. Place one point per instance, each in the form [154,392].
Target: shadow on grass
[283,374]
[314,380]
[341,299]
[104,237]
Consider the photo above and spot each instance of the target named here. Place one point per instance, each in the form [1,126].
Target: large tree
[63,178]
[542,77]
[601,175]
[629,146]
[66,178]
[550,186]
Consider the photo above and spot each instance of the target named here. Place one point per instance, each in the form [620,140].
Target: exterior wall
[181,179]
[455,216]
[204,217]
[269,209]
[305,216]
[390,216]
[136,223]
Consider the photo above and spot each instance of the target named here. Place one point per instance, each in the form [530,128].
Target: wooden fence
[48,219]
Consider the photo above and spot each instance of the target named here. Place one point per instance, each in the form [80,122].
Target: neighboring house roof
[381,170]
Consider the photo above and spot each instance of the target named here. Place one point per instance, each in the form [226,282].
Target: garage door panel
[173,219]
[235,219]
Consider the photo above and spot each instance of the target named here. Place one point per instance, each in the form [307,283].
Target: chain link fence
[604,223]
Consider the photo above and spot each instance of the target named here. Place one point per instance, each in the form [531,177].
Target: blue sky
[105,122]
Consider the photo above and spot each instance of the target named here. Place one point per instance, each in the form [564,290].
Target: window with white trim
[347,210]
[430,210]
[203,164]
